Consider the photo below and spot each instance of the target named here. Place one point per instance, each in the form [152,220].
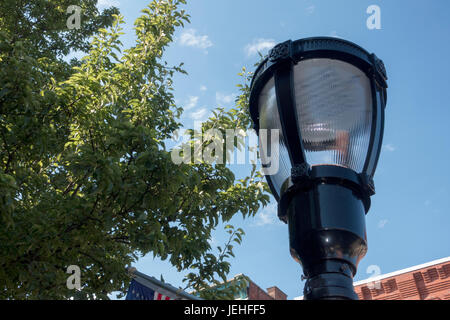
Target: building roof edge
[395,273]
[402,271]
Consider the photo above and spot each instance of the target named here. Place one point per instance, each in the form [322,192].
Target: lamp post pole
[326,97]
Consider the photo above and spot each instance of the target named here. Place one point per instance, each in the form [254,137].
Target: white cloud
[265,218]
[203,88]
[192,103]
[268,216]
[212,241]
[107,3]
[190,38]
[334,34]
[382,223]
[259,45]
[390,147]
[224,99]
[310,9]
[199,114]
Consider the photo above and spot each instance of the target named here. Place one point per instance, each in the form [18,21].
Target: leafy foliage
[85,176]
[204,281]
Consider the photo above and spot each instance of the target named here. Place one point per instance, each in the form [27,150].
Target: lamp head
[326,97]
[318,107]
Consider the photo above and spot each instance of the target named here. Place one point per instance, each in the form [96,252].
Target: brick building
[253,292]
[272,293]
[428,281]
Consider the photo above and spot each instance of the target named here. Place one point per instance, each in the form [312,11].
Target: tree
[86,178]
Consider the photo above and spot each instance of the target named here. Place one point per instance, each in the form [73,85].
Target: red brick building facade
[429,281]
[273,293]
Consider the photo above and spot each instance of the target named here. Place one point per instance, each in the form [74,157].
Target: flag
[138,291]
[144,287]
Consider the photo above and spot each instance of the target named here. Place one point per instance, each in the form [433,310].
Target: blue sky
[408,223]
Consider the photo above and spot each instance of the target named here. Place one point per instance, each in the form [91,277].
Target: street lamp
[326,96]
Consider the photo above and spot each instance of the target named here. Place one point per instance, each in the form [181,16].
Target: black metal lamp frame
[324,205]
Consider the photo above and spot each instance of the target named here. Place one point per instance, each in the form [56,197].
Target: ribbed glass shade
[269,118]
[334,108]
